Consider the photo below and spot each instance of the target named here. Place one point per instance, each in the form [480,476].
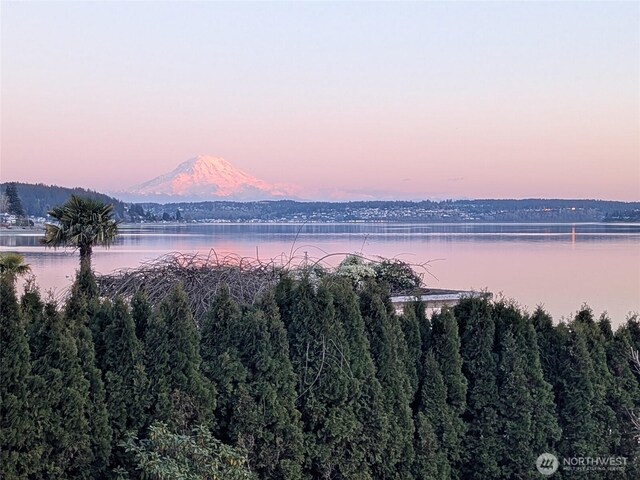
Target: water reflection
[562,265]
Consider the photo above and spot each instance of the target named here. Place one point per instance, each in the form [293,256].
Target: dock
[435,299]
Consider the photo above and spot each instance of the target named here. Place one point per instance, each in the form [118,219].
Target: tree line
[319,379]
[38,199]
[505,210]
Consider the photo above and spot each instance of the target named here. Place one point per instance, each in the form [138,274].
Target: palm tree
[82,223]
[12,266]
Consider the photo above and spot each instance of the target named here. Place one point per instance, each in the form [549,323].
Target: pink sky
[424,100]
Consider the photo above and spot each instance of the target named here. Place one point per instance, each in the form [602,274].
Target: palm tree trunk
[86,279]
[85,258]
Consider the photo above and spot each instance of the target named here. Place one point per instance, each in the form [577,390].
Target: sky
[370,100]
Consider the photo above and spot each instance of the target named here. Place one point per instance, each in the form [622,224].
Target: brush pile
[201,276]
[247,278]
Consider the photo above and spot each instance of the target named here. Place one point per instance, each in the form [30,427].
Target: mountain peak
[206,165]
[208,160]
[206,177]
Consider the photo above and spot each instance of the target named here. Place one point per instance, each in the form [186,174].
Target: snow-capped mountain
[207,178]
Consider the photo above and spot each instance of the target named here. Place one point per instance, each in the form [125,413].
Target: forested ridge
[38,199]
[319,379]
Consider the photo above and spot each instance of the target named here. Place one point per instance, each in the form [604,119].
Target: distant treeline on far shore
[38,199]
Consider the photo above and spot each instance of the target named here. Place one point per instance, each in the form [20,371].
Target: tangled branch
[201,276]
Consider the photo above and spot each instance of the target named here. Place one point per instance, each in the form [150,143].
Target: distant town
[387,211]
[35,200]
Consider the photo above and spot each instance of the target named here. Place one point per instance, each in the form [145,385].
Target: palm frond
[13,264]
[82,222]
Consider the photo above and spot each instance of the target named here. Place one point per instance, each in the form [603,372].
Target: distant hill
[481,210]
[39,198]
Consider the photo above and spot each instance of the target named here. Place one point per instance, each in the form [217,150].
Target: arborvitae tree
[429,462]
[545,429]
[437,425]
[424,323]
[181,395]
[603,382]
[77,315]
[66,428]
[633,325]
[33,313]
[19,447]
[559,372]
[552,345]
[445,341]
[284,298]
[388,349]
[445,344]
[271,430]
[606,330]
[413,360]
[126,381]
[319,358]
[246,356]
[515,405]
[579,403]
[528,420]
[581,432]
[568,363]
[625,395]
[481,446]
[156,355]
[100,317]
[221,361]
[32,308]
[141,313]
[370,442]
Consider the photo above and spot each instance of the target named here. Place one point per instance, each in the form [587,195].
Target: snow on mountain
[208,178]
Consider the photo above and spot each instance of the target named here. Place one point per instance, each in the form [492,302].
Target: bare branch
[202,275]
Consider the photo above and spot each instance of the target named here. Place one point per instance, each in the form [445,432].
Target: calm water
[560,266]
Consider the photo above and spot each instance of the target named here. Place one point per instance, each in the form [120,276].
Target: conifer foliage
[390,356]
[66,403]
[126,382]
[246,355]
[14,202]
[319,379]
[19,451]
[319,356]
[181,395]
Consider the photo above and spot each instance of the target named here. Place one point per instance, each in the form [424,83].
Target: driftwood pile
[201,276]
